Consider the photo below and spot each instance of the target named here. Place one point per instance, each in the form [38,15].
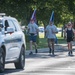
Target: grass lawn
[61,40]
[43,41]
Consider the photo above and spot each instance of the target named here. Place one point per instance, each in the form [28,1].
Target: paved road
[43,63]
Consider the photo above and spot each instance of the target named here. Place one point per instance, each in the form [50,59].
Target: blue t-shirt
[33,28]
[49,31]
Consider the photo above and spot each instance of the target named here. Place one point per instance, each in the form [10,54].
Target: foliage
[22,9]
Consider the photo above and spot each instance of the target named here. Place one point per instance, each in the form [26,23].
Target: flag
[52,17]
[33,17]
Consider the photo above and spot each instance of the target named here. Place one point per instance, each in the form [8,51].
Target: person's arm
[65,36]
[73,30]
[28,28]
[55,30]
[37,29]
[73,33]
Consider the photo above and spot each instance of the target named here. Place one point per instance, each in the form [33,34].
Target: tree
[22,10]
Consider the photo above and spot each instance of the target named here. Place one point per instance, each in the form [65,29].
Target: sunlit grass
[58,34]
[41,34]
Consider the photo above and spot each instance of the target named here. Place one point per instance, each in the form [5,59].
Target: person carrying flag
[33,31]
[50,31]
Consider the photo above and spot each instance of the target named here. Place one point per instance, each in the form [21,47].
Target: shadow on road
[44,53]
[10,70]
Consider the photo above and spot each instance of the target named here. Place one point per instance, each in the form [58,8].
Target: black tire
[21,62]
[2,60]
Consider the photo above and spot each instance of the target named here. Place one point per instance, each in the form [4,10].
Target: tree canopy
[64,10]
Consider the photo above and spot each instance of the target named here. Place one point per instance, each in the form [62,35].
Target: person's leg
[34,42]
[30,37]
[70,45]
[71,48]
[52,46]
[30,48]
[35,47]
[49,45]
[68,48]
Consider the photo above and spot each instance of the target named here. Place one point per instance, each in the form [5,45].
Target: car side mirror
[10,30]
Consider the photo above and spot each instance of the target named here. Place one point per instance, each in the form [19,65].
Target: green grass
[43,41]
[61,40]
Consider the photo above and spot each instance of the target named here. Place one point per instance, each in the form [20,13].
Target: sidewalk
[58,47]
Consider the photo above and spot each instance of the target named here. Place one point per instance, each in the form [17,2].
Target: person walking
[69,35]
[51,31]
[33,32]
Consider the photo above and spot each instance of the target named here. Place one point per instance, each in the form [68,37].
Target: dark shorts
[32,38]
[51,40]
[69,39]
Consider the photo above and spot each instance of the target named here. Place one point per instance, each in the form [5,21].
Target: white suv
[12,43]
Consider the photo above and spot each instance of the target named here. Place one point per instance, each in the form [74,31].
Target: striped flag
[52,17]
[33,17]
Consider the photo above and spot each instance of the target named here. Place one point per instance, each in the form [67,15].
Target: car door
[15,41]
[8,40]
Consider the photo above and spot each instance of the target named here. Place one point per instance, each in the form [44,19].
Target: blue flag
[33,17]
[52,17]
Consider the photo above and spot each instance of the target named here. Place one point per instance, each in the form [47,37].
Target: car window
[17,25]
[11,24]
[1,23]
[6,25]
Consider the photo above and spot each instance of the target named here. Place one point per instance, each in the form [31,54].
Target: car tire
[2,60]
[21,62]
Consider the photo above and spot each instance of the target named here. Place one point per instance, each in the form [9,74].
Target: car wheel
[2,60]
[21,62]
